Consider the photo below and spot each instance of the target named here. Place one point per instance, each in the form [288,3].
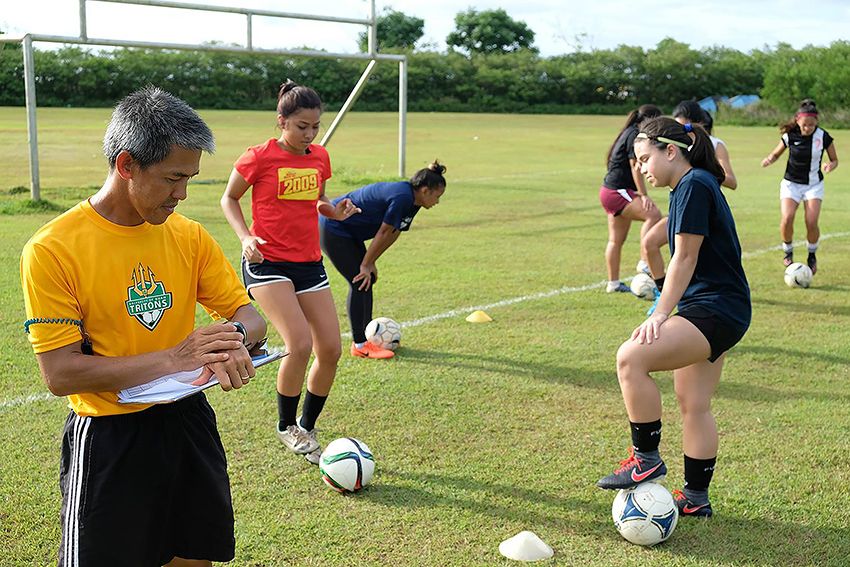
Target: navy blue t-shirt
[387,202]
[619,174]
[719,285]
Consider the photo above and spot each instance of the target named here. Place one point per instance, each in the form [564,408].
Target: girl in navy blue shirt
[386,210]
[706,282]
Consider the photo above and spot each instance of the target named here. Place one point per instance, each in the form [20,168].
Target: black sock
[313,405]
[698,473]
[659,283]
[287,408]
[646,436]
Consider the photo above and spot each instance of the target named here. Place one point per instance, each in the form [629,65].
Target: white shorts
[799,192]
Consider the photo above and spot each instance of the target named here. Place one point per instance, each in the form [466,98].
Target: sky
[560,26]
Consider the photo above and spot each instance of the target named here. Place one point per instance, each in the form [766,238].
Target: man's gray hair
[148,122]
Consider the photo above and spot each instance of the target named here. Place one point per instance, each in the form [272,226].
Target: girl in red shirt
[281,259]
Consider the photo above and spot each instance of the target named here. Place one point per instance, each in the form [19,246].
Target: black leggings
[347,254]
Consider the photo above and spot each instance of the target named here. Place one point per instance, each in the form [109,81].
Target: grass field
[481,431]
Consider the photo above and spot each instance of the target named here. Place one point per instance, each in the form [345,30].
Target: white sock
[787,247]
[359,345]
[613,284]
[813,246]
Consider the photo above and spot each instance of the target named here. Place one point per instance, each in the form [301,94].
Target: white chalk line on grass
[755,253]
[26,400]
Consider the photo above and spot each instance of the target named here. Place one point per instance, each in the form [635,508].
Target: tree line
[512,81]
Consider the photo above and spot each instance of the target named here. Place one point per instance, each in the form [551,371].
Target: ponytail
[643,112]
[691,139]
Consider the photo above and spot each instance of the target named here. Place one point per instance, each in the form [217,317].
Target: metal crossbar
[372,56]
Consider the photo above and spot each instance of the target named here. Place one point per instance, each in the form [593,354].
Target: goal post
[372,56]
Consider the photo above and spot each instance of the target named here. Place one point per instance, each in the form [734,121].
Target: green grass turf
[481,431]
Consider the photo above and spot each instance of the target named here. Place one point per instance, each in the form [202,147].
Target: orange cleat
[370,350]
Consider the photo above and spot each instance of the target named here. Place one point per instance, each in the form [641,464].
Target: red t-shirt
[286,187]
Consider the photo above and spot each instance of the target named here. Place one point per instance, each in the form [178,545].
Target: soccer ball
[384,332]
[645,514]
[798,275]
[347,465]
[643,286]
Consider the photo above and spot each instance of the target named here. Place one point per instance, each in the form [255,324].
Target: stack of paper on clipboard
[173,387]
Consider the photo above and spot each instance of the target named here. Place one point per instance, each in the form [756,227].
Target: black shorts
[721,336]
[139,489]
[305,276]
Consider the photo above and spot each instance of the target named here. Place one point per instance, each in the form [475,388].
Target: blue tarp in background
[709,103]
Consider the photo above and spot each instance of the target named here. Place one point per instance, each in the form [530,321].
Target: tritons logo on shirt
[147,299]
[405,223]
[298,184]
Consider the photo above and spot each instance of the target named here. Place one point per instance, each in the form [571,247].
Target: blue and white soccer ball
[798,275]
[645,514]
[384,332]
[347,464]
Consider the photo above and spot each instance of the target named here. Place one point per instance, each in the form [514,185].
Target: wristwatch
[241,329]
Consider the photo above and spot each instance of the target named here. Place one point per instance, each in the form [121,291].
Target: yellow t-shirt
[134,288]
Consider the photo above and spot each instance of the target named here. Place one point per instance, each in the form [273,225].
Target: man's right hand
[206,345]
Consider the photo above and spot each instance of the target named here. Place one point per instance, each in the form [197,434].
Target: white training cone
[479,317]
[525,546]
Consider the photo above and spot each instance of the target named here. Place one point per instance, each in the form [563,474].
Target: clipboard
[174,387]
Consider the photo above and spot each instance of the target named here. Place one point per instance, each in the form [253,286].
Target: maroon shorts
[615,200]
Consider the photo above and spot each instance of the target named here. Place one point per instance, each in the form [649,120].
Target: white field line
[755,253]
[26,400]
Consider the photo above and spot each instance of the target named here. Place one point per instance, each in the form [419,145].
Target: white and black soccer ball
[384,332]
[347,464]
[645,514]
[798,275]
[643,286]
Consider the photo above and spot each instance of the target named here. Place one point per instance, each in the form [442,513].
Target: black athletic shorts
[721,336]
[305,276]
[140,488]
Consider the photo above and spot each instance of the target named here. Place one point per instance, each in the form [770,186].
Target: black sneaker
[631,472]
[788,259]
[688,508]
[812,261]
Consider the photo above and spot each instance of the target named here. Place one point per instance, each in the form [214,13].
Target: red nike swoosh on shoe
[642,476]
[689,510]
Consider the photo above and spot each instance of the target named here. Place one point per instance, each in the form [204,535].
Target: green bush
[600,81]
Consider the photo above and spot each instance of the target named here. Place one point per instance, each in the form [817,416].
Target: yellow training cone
[479,317]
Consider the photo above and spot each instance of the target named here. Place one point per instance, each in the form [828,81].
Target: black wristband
[241,329]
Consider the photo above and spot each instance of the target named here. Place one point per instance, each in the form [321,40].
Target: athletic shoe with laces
[370,350]
[297,440]
[788,259]
[316,454]
[652,307]
[688,508]
[812,262]
[620,288]
[631,472]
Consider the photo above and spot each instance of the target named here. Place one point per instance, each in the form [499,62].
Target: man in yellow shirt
[110,288]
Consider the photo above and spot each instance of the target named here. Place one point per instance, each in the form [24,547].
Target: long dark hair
[636,116]
[691,139]
[293,97]
[691,111]
[808,106]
